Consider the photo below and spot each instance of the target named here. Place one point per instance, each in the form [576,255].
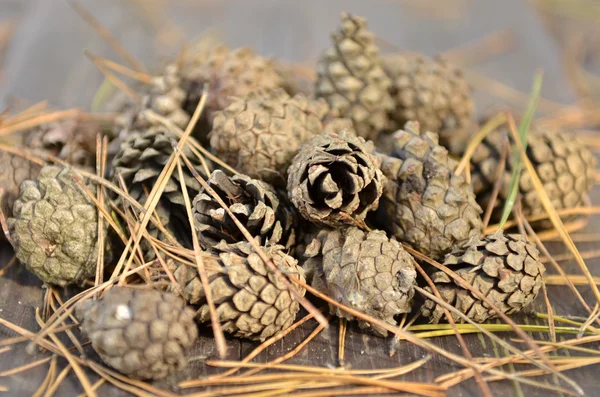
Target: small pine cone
[140,160]
[260,134]
[71,140]
[425,204]
[55,227]
[13,171]
[252,302]
[505,268]
[143,333]
[352,80]
[253,202]
[366,271]
[434,93]
[565,166]
[231,74]
[334,180]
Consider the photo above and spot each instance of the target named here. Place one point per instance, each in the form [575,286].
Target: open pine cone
[425,204]
[366,271]
[505,268]
[352,80]
[143,333]
[335,180]
[252,302]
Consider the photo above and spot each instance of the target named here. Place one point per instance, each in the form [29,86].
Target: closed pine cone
[335,180]
[259,135]
[504,268]
[352,80]
[13,171]
[366,271]
[252,302]
[565,166]
[255,204]
[143,333]
[434,93]
[425,204]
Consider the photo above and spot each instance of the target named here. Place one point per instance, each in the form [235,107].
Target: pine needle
[487,128]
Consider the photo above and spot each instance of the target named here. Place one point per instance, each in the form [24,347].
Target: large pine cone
[141,159]
[254,203]
[55,227]
[434,93]
[505,268]
[252,302]
[352,80]
[335,180]
[425,204]
[143,333]
[260,134]
[565,166]
[366,271]
[230,74]
[13,171]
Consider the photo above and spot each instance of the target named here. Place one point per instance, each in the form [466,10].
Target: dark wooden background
[45,60]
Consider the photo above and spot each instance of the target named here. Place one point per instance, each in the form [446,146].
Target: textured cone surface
[505,268]
[352,80]
[334,180]
[260,134]
[254,203]
[230,74]
[565,166]
[55,227]
[424,204]
[13,171]
[366,271]
[434,93]
[143,333]
[251,301]
[140,160]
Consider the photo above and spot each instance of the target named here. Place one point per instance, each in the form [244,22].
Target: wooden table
[46,61]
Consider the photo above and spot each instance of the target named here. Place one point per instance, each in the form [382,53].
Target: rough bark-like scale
[505,268]
[55,227]
[13,171]
[143,333]
[252,301]
[366,271]
[335,180]
[352,80]
[424,203]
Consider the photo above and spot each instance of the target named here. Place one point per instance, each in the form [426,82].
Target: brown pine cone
[334,180]
[13,171]
[425,204]
[143,333]
[254,203]
[505,268]
[352,80]
[366,271]
[252,302]
[565,166]
[260,134]
[434,93]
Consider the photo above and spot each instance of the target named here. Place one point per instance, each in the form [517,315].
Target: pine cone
[505,268]
[424,204]
[366,271]
[334,180]
[254,203]
[13,171]
[252,302]
[143,333]
[352,80]
[260,135]
[434,93]
[141,159]
[55,227]
[230,74]
[565,166]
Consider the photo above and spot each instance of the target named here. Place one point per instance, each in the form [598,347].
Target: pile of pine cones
[331,185]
